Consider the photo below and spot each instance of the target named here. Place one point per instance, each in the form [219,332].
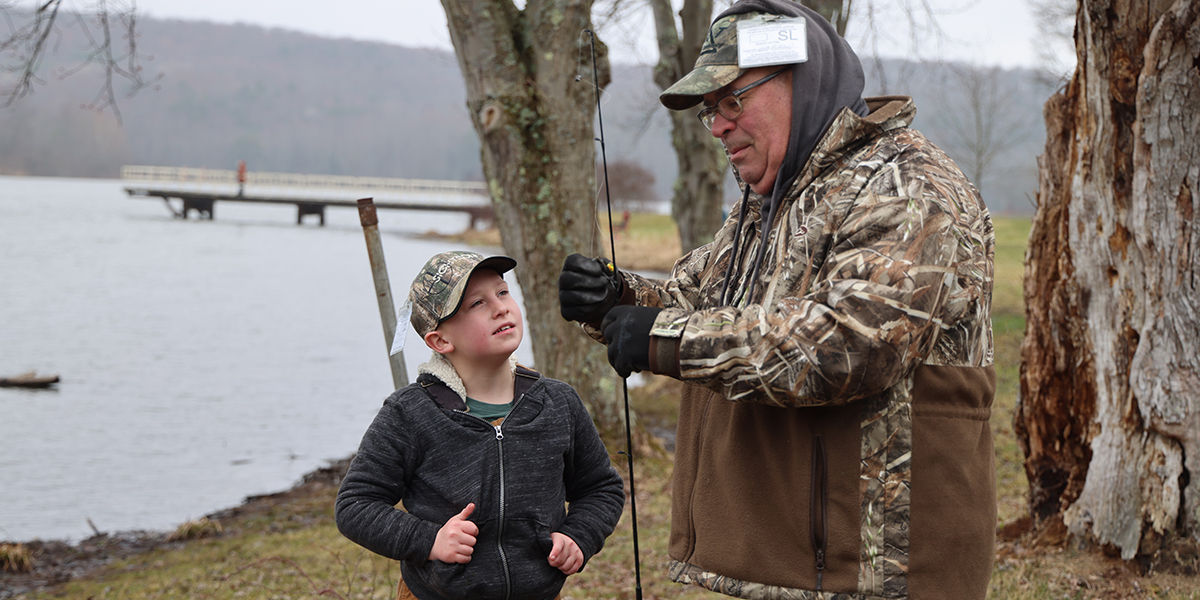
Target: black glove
[587,288]
[627,329]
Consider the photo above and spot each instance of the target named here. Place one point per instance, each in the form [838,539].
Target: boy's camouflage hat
[716,67]
[437,291]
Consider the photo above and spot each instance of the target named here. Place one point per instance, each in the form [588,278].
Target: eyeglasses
[730,105]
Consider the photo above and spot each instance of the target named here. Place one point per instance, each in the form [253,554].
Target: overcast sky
[997,32]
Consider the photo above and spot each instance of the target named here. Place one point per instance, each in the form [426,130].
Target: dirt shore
[56,561]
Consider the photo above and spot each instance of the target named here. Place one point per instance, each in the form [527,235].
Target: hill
[288,101]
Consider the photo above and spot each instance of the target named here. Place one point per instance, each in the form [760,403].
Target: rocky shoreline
[56,561]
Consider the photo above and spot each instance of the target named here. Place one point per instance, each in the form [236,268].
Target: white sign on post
[772,41]
[400,336]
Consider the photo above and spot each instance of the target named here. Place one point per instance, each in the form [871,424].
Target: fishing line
[637,561]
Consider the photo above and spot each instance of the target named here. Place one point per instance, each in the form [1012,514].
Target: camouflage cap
[716,67]
[437,291]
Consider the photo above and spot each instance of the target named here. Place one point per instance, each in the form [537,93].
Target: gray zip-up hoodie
[426,450]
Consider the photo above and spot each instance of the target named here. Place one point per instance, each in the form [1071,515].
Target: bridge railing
[299,180]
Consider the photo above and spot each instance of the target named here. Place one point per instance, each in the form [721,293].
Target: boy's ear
[438,343]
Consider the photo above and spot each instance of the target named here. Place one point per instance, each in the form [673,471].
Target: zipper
[691,513]
[499,429]
[500,524]
[819,504]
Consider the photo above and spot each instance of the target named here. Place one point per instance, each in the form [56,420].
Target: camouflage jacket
[833,440]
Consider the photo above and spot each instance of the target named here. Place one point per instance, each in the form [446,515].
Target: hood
[831,79]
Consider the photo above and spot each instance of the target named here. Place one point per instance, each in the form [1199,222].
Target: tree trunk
[1109,419]
[698,192]
[837,12]
[535,124]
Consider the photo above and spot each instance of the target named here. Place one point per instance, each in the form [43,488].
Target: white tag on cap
[401,334]
[773,41]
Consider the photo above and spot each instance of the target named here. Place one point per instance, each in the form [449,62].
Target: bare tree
[877,20]
[1108,419]
[534,120]
[1055,20]
[982,122]
[33,32]
[698,192]
[836,12]
[631,184]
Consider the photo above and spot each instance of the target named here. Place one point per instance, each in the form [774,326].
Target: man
[834,338]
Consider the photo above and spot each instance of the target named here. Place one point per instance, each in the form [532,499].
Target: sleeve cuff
[664,356]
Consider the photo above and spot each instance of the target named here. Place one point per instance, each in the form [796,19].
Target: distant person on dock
[623,226]
[476,448]
[241,177]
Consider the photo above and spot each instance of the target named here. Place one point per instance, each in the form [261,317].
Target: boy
[483,453]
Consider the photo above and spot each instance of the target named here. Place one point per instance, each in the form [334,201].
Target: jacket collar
[445,386]
[848,130]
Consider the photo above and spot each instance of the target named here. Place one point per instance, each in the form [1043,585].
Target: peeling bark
[1110,417]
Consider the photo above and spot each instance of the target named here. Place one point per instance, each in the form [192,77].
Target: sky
[984,32]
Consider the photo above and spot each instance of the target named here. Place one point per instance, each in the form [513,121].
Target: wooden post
[310,208]
[383,289]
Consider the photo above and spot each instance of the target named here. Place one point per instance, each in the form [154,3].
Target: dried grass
[15,558]
[192,530]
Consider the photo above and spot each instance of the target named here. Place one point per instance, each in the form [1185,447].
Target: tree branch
[25,49]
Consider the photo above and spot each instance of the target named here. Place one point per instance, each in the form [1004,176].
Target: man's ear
[438,343]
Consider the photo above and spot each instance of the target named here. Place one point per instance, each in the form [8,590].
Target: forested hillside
[288,101]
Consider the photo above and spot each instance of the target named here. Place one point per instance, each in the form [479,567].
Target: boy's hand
[565,555]
[455,541]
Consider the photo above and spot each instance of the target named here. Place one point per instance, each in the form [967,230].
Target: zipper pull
[499,434]
[820,567]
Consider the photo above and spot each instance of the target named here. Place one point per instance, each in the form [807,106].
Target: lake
[201,361]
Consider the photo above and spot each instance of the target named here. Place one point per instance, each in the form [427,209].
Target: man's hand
[455,541]
[587,288]
[627,330]
[565,555]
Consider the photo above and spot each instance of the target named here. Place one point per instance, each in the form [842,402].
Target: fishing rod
[637,561]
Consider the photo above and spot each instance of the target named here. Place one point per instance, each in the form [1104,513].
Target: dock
[199,190]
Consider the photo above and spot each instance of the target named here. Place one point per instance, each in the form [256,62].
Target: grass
[291,549]
[15,558]
[1008,328]
[192,530]
[650,243]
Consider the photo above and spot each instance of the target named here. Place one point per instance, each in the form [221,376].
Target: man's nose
[720,126]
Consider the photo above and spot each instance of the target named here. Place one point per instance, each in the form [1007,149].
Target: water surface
[201,361]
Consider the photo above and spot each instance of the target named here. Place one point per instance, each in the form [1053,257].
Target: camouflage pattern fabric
[879,261]
[438,287]
[716,66]
[884,242]
[685,573]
